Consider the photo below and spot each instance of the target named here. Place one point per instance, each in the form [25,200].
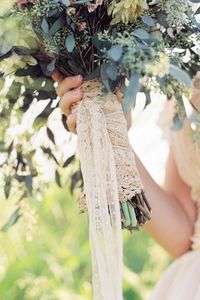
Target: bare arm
[175,186]
[174,212]
[170,225]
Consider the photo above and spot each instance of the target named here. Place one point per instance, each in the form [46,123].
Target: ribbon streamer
[110,177]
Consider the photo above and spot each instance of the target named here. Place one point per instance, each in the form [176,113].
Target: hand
[195,99]
[70,91]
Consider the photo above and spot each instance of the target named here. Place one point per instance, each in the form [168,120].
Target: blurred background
[46,255]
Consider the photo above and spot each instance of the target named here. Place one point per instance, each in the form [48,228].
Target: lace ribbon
[110,176]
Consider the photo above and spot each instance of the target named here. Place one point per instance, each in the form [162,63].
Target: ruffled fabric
[181,280]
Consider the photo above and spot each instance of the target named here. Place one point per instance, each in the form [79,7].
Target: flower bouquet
[149,44]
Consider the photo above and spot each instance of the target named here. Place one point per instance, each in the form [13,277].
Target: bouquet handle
[110,178]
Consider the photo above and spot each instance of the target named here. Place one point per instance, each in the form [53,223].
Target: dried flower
[160,68]
[126,11]
[91,7]
[98,2]
[70,11]
[21,2]
[82,26]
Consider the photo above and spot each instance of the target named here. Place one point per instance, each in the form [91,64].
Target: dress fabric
[181,281]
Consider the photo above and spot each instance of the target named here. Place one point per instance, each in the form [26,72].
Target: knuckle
[58,91]
[64,106]
[78,94]
[61,103]
[70,120]
[67,84]
[71,123]
[74,95]
[71,82]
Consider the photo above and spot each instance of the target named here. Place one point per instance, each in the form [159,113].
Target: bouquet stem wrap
[110,177]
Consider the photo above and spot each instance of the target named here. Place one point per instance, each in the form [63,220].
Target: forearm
[170,225]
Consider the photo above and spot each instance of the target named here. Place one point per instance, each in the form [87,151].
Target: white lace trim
[109,173]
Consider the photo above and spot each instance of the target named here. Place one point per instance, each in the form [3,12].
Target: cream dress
[181,281]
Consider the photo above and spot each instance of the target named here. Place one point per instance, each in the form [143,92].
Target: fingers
[57,77]
[196,82]
[68,84]
[119,96]
[71,122]
[70,92]
[69,99]
[198,74]
[127,115]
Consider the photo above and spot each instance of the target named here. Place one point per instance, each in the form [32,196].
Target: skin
[173,211]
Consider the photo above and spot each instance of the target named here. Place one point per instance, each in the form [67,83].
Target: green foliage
[56,264]
[70,43]
[52,35]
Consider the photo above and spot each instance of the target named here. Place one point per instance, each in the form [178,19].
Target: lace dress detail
[110,176]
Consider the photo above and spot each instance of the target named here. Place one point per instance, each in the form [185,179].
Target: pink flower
[91,7]
[98,2]
[82,25]
[21,2]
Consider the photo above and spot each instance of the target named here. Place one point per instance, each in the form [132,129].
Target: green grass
[56,264]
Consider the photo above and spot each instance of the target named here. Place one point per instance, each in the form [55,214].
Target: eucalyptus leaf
[115,53]
[32,71]
[45,26]
[51,66]
[58,179]
[76,177]
[69,160]
[29,183]
[141,34]
[7,186]
[50,135]
[177,123]
[197,11]
[82,1]
[49,152]
[5,47]
[12,220]
[148,20]
[70,43]
[64,122]
[111,71]
[180,75]
[66,2]
[53,12]
[57,25]
[2,146]
[162,19]
[131,93]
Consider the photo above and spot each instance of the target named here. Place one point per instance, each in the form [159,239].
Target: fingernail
[77,91]
[79,78]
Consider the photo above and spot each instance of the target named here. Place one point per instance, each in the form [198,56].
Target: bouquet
[154,45]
